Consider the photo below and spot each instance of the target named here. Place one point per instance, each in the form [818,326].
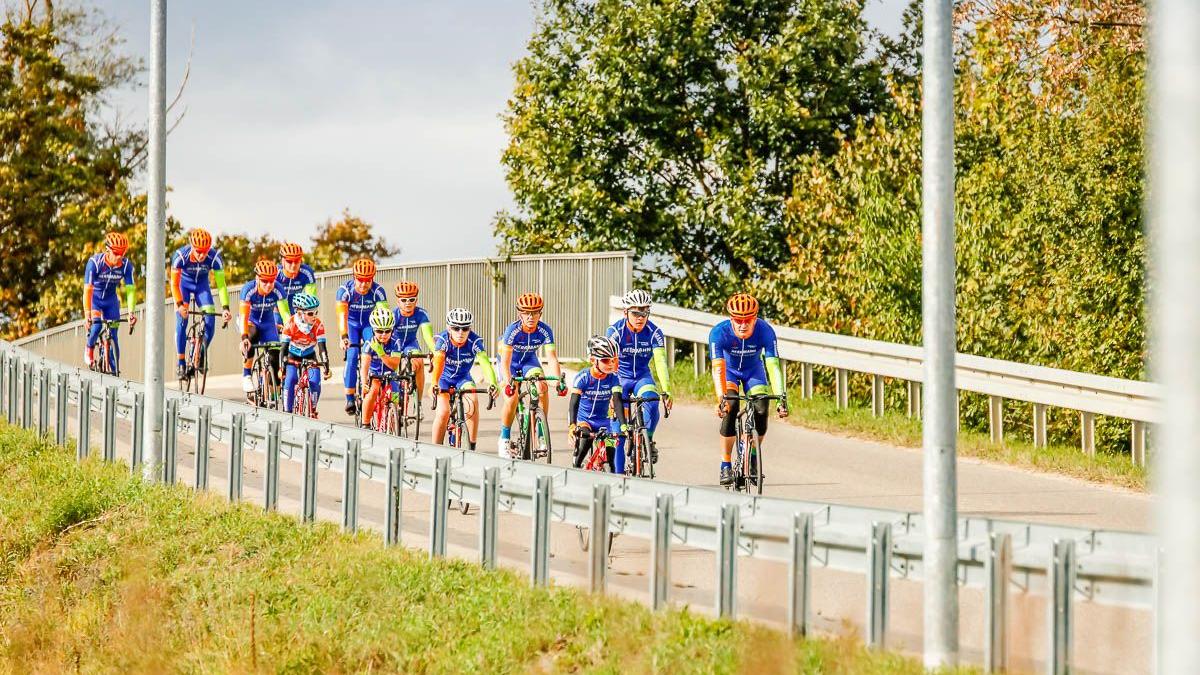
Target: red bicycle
[303,403]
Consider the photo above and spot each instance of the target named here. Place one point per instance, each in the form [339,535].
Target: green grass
[895,427]
[100,572]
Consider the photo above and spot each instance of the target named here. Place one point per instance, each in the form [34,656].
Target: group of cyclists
[386,350]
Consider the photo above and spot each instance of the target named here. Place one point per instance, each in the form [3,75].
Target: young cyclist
[356,300]
[454,352]
[643,367]
[260,299]
[381,354]
[295,275]
[739,347]
[190,269]
[105,276]
[596,402]
[413,328]
[303,337]
[519,345]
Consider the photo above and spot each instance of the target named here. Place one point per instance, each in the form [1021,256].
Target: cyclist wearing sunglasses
[105,276]
[740,347]
[413,330]
[303,337]
[455,350]
[643,367]
[519,347]
[295,275]
[356,301]
[381,354]
[259,301]
[596,402]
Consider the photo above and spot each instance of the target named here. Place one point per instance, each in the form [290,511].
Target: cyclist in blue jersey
[191,266]
[356,299]
[105,276]
[596,402]
[413,328]
[643,367]
[295,276]
[259,301]
[381,354]
[519,347]
[745,356]
[455,350]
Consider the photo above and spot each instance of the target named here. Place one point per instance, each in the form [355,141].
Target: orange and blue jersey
[452,363]
[105,280]
[354,308]
[291,286]
[739,361]
[408,328]
[525,345]
[188,273]
[258,311]
[636,348]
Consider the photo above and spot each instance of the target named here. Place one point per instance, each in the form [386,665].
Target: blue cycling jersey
[742,354]
[359,306]
[525,345]
[262,307]
[377,367]
[407,327]
[105,279]
[290,286]
[595,394]
[458,359]
[636,348]
[194,273]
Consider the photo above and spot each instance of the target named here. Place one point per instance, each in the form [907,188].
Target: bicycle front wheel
[645,468]
[201,364]
[754,461]
[541,432]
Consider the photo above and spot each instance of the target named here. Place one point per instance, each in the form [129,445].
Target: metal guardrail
[576,287]
[1069,565]
[1091,395]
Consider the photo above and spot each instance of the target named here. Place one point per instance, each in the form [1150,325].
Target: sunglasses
[639,313]
[308,312]
[458,329]
[407,300]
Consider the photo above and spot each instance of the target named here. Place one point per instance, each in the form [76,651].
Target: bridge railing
[1090,395]
[1073,569]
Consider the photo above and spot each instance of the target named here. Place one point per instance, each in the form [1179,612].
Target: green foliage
[676,129]
[103,572]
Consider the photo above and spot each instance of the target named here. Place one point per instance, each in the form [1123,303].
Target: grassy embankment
[895,427]
[102,572]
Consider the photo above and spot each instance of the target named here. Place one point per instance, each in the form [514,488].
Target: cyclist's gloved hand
[510,390]
[782,410]
[433,389]
[132,320]
[571,428]
[722,408]
[245,345]
[328,373]
[181,309]
[226,315]
[345,342]
[625,429]
[561,388]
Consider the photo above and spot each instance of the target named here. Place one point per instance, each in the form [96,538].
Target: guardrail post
[1039,425]
[670,345]
[203,432]
[539,564]
[271,481]
[392,525]
[1137,443]
[85,406]
[914,399]
[996,419]
[1061,577]
[27,396]
[728,530]
[660,550]
[12,389]
[3,380]
[698,364]
[842,388]
[43,401]
[877,395]
[60,409]
[806,381]
[170,440]
[350,486]
[488,515]
[879,562]
[308,491]
[110,424]
[136,440]
[237,446]
[600,511]
[438,507]
[799,574]
[998,568]
[1087,433]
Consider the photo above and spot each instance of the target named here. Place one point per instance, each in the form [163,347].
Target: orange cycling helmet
[291,251]
[530,302]
[266,270]
[117,243]
[742,306]
[406,289]
[200,240]
[364,269]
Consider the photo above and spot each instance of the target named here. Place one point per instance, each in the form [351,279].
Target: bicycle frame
[528,411]
[747,442]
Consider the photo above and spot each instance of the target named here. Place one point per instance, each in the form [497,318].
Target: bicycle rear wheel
[392,420]
[541,432]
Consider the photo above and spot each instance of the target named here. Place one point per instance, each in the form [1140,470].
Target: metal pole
[395,498]
[727,562]
[437,507]
[156,225]
[660,550]
[799,577]
[539,553]
[271,479]
[601,509]
[110,424]
[203,431]
[308,490]
[350,486]
[237,443]
[488,517]
[937,310]
[1174,224]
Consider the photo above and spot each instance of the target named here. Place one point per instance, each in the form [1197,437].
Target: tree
[337,243]
[676,129]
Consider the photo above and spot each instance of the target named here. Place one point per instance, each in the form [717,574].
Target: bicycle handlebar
[647,399]
[752,397]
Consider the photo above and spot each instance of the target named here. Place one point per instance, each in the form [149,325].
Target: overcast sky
[297,109]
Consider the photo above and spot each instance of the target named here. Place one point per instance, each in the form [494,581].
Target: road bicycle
[106,358]
[747,447]
[195,353]
[409,401]
[303,403]
[638,458]
[456,424]
[533,430]
[267,387]
[599,458]
[386,417]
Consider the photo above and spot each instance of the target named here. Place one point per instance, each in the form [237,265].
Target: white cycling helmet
[636,298]
[382,319]
[459,317]
[601,347]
